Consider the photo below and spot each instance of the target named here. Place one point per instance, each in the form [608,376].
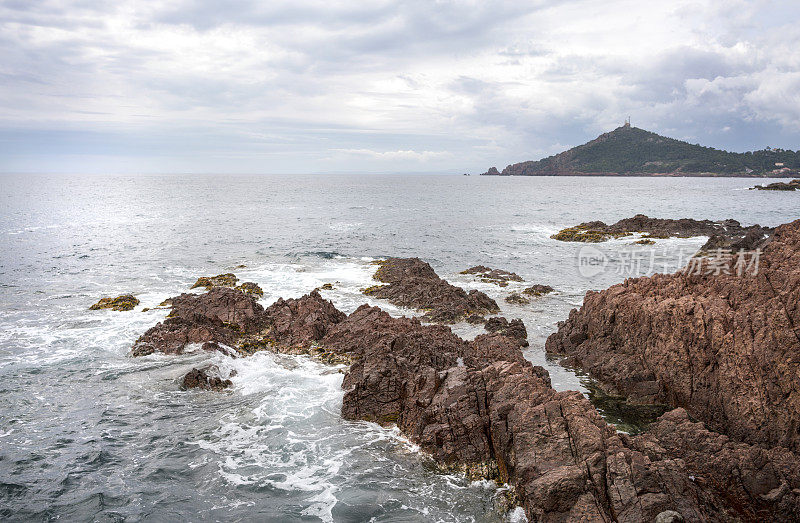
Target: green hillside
[632,151]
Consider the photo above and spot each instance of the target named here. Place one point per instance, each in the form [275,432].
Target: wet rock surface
[497,276]
[229,317]
[220,280]
[728,231]
[221,315]
[251,288]
[125,302]
[724,346]
[207,378]
[411,282]
[481,408]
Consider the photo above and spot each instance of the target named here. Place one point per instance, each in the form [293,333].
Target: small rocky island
[721,349]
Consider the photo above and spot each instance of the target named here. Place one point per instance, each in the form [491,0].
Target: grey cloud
[492,82]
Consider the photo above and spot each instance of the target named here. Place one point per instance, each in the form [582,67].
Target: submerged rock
[220,280]
[206,378]
[125,302]
[410,282]
[497,276]
[517,299]
[538,290]
[724,346]
[597,231]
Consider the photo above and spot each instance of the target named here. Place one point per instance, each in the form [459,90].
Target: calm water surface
[88,433]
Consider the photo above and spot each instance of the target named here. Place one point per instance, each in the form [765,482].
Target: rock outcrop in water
[228,280]
[728,234]
[411,282]
[125,302]
[793,185]
[221,315]
[538,290]
[724,346]
[207,378]
[230,317]
[499,277]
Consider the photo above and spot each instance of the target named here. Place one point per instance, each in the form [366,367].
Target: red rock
[513,329]
[298,322]
[726,347]
[220,315]
[413,283]
[206,378]
[764,484]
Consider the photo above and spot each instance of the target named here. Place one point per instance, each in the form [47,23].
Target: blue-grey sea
[88,433]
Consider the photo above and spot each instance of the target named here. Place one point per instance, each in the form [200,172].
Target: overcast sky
[427,86]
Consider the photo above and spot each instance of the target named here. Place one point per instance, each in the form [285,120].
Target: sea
[88,433]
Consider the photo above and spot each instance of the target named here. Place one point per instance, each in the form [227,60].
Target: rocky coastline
[725,349]
[481,408]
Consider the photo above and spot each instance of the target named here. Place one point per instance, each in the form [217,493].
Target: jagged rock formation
[234,318]
[513,329]
[727,234]
[410,282]
[480,407]
[763,483]
[221,315]
[724,346]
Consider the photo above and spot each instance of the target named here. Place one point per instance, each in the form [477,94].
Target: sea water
[89,433]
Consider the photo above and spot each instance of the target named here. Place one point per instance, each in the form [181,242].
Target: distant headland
[630,151]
